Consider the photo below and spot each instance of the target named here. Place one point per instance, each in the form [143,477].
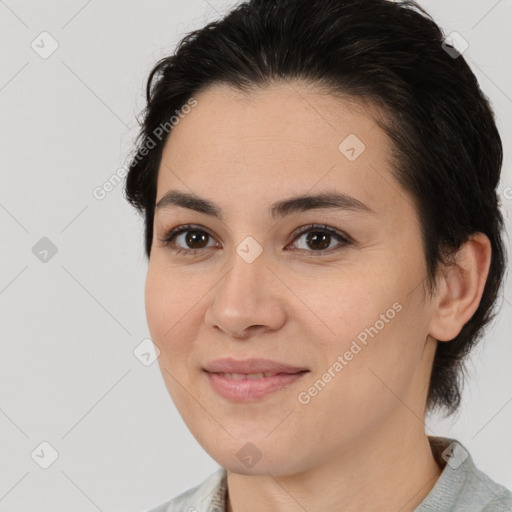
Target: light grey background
[69,326]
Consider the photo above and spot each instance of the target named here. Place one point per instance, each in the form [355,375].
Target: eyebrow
[279,209]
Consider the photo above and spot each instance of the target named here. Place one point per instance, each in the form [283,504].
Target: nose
[247,300]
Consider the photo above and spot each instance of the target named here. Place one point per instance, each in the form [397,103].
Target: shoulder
[462,487]
[208,496]
[492,496]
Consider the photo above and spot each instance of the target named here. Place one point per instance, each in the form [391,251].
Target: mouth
[252,368]
[240,387]
[243,376]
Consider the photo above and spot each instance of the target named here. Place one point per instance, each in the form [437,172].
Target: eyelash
[318,228]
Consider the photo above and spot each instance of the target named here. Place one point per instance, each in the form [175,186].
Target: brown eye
[187,239]
[318,239]
[195,239]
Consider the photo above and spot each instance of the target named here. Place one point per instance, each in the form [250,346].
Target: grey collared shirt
[461,487]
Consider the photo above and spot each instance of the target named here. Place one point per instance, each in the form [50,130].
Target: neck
[376,474]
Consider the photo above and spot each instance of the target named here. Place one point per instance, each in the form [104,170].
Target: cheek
[348,304]
[172,311]
[167,300]
[359,382]
[373,323]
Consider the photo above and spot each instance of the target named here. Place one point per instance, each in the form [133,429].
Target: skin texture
[360,442]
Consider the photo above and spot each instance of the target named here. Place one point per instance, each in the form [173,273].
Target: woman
[325,247]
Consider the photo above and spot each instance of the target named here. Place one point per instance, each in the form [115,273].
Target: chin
[248,460]
[259,469]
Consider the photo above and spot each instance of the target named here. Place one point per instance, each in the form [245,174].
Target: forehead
[284,138]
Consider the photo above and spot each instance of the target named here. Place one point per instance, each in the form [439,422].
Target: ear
[460,288]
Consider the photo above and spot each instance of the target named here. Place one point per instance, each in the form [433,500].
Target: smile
[242,387]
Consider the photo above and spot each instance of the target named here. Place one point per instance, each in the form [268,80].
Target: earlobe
[460,288]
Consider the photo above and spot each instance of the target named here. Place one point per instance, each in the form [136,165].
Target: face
[343,300]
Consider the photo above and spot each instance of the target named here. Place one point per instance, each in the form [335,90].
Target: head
[284,99]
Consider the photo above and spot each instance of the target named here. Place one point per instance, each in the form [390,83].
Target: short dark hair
[447,152]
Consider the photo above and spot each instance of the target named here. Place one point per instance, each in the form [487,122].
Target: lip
[249,389]
[253,365]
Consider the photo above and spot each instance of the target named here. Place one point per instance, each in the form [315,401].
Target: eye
[188,239]
[319,238]
[191,238]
